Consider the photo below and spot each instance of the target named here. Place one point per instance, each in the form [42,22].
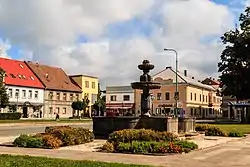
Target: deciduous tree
[4,97]
[235,60]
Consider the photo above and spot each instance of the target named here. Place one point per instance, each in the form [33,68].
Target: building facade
[120,99]
[195,99]
[60,90]
[26,92]
[89,86]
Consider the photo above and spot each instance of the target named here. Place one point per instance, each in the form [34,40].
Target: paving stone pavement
[235,153]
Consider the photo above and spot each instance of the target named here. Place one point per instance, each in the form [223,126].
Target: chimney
[192,77]
[185,73]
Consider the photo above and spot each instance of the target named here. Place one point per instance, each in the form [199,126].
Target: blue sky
[134,27]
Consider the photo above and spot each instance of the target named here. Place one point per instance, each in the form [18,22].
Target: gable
[168,74]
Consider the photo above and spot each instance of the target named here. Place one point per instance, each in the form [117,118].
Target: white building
[26,92]
[120,99]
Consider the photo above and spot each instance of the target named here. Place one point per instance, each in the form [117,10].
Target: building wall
[24,96]
[89,87]
[193,106]
[63,102]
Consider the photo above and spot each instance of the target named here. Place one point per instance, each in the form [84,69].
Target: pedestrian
[40,114]
[57,116]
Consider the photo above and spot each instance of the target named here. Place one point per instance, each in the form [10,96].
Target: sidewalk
[43,124]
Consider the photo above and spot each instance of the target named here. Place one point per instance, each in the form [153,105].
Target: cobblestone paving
[235,153]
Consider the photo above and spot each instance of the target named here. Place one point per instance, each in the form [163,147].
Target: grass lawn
[46,121]
[243,128]
[27,161]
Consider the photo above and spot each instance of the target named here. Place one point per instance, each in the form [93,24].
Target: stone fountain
[146,84]
[104,125]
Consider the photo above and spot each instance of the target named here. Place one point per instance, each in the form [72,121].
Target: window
[126,98]
[10,93]
[30,94]
[167,96]
[19,76]
[93,85]
[17,93]
[192,112]
[58,96]
[206,98]
[191,96]
[50,95]
[71,97]
[36,95]
[50,110]
[214,99]
[32,78]
[113,98]
[86,95]
[77,96]
[24,94]
[57,110]
[64,96]
[195,97]
[200,97]
[158,96]
[86,84]
[203,98]
[64,111]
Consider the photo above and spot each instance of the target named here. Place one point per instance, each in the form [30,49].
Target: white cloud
[4,47]
[48,30]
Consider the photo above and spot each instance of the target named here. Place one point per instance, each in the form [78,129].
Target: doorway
[25,112]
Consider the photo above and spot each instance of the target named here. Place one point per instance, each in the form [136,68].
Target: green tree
[4,97]
[100,103]
[86,102]
[235,60]
[78,106]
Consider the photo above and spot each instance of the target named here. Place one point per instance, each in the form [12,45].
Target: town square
[124,83]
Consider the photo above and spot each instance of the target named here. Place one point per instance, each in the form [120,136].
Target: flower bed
[145,142]
[216,131]
[55,137]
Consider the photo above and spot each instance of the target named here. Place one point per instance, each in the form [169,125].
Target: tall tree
[78,106]
[235,60]
[4,97]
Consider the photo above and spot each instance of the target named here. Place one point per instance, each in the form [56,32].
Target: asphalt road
[27,129]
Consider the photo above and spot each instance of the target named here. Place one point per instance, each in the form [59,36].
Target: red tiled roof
[53,78]
[19,74]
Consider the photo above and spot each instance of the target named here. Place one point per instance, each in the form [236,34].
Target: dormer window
[12,75]
[47,75]
[24,77]
[21,65]
[32,78]
[19,76]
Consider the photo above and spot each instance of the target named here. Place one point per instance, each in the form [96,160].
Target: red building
[26,92]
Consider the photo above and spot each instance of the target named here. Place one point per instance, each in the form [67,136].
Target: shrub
[51,141]
[109,147]
[51,129]
[201,127]
[29,141]
[156,147]
[10,116]
[235,134]
[215,131]
[129,135]
[71,136]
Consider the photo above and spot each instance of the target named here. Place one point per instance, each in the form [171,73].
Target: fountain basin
[146,85]
[103,126]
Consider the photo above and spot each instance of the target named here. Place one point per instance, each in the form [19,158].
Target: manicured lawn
[27,161]
[46,121]
[243,128]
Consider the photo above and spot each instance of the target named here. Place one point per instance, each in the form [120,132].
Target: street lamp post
[176,96]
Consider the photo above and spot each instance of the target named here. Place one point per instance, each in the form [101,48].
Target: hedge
[10,116]
[55,137]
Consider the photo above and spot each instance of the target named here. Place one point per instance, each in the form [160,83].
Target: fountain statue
[145,84]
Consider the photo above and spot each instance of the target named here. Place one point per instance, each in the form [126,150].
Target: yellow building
[89,85]
[195,98]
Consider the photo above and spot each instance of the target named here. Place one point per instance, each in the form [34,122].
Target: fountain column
[145,84]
